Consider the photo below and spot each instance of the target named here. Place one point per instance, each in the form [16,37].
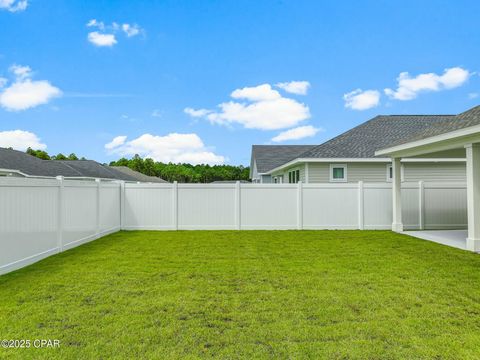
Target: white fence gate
[40,217]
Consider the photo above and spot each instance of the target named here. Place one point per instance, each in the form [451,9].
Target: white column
[473,196]
[397,224]
[60,214]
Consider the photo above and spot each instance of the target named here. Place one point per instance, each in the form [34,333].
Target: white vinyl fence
[291,206]
[40,217]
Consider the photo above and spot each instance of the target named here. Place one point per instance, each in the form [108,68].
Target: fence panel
[264,206]
[28,221]
[330,206]
[40,217]
[206,206]
[149,206]
[445,206]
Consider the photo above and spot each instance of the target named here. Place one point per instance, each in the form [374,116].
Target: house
[268,157]
[19,164]
[351,157]
[459,135]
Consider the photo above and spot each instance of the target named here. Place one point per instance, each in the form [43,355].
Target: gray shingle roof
[269,157]
[378,133]
[135,174]
[30,165]
[466,119]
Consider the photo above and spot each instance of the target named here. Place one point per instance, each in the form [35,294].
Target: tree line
[41,154]
[185,173]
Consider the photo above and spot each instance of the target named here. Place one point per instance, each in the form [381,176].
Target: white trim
[307,173]
[433,160]
[357,160]
[389,169]
[294,170]
[472,130]
[344,167]
[327,160]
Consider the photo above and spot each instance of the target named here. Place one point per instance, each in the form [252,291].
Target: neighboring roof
[464,120]
[30,165]
[268,157]
[33,166]
[380,132]
[90,168]
[137,175]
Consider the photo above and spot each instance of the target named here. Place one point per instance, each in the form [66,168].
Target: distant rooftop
[32,166]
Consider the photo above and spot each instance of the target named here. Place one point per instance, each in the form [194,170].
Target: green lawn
[249,294]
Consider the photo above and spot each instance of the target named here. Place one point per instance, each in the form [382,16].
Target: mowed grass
[248,294]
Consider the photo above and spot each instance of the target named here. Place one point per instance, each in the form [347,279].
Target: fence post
[299,205]
[97,223]
[122,205]
[60,214]
[421,205]
[361,207]
[238,208]
[175,205]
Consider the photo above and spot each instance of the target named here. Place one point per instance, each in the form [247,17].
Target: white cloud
[21,72]
[297,133]
[409,87]
[196,113]
[107,34]
[174,147]
[97,24]
[257,93]
[24,93]
[473,95]
[295,87]
[20,140]
[265,109]
[131,30]
[3,82]
[116,142]
[99,39]
[13,5]
[362,100]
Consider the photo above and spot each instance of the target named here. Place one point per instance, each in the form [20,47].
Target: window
[338,173]
[294,176]
[389,172]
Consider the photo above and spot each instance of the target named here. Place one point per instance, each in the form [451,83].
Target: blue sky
[140,71]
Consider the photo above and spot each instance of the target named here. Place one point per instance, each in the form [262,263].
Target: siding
[448,172]
[377,172]
[368,172]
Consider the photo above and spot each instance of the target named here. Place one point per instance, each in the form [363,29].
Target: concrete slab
[453,238]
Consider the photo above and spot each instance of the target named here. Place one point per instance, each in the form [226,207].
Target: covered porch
[463,143]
